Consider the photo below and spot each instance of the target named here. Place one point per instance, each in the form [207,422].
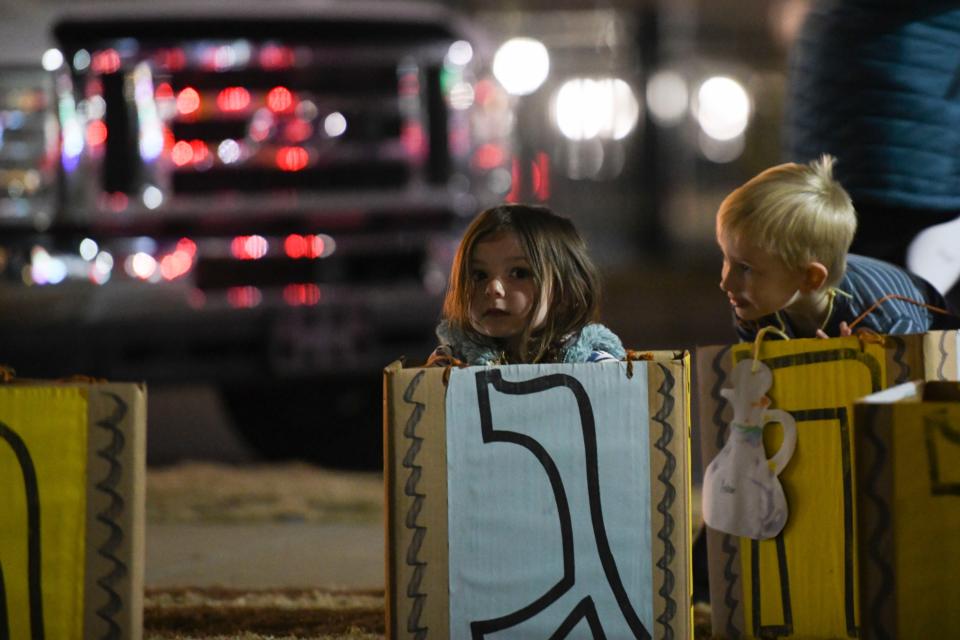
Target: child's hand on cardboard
[845,330]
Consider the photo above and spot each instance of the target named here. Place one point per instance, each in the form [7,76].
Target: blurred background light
[521,65]
[140,265]
[152,197]
[52,59]
[188,101]
[460,53]
[46,269]
[228,151]
[667,97]
[722,108]
[89,249]
[606,108]
[335,124]
[721,151]
[81,60]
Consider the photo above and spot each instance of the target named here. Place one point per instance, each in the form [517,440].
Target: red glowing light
[514,195]
[308,246]
[164,91]
[96,133]
[233,99]
[541,177]
[188,101]
[292,158]
[483,91]
[298,130]
[414,141]
[182,153]
[295,246]
[168,140]
[171,59]
[117,201]
[280,100]
[274,57]
[301,294]
[249,247]
[176,264]
[187,246]
[244,297]
[106,61]
[315,246]
[200,150]
[489,156]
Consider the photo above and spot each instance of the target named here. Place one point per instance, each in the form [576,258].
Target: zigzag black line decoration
[943,354]
[719,401]
[665,476]
[720,376]
[904,374]
[882,526]
[410,489]
[730,578]
[109,515]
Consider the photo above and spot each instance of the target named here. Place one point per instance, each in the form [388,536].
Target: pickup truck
[264,197]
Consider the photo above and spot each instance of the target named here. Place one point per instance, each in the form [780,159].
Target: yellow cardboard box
[538,500]
[72,479]
[908,497]
[804,583]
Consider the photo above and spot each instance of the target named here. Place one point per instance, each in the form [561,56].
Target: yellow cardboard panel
[909,496]
[43,456]
[803,583]
[926,504]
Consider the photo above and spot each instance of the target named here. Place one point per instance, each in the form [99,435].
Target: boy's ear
[815,275]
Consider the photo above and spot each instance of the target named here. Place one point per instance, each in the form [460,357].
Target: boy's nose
[724,278]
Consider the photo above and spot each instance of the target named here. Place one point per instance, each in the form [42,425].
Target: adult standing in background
[876,83]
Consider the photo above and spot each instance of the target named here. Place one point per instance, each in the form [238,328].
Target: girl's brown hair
[558,259]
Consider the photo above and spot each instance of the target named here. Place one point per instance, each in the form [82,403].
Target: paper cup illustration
[742,495]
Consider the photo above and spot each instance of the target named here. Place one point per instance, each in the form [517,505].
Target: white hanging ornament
[742,495]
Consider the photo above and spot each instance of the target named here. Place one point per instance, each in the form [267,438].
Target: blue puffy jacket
[877,84]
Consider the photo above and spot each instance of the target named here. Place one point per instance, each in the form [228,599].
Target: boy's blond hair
[798,212]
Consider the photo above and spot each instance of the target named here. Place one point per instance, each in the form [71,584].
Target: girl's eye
[744,268]
[478,276]
[521,273]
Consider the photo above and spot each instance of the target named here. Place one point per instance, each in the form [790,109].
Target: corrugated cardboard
[804,582]
[72,485]
[908,497]
[532,499]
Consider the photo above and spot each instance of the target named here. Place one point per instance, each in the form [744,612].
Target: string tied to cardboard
[832,294]
[894,296]
[634,356]
[761,334]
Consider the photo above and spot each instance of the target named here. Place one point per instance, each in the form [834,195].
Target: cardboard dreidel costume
[788,567]
[536,501]
[72,482]
[908,497]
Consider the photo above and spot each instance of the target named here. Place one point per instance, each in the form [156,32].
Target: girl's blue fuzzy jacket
[579,347]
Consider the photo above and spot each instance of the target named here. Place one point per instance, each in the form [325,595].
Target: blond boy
[785,236]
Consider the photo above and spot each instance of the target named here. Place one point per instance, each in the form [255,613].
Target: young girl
[522,290]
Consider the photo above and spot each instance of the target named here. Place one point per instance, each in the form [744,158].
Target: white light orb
[722,108]
[667,97]
[521,65]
